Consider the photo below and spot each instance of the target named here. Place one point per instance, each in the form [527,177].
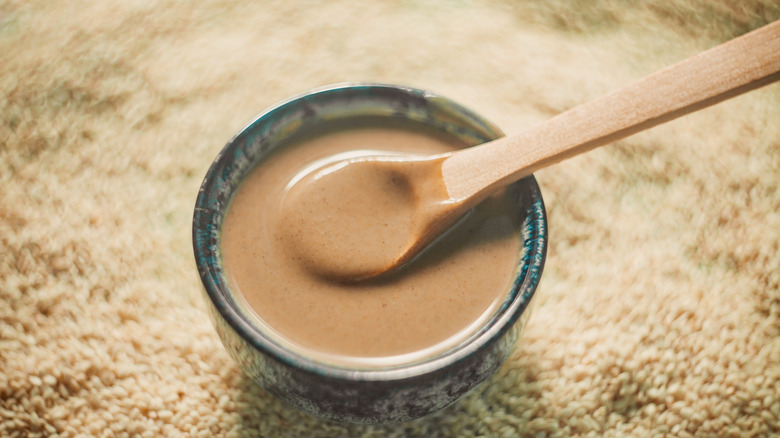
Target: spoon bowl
[403,201]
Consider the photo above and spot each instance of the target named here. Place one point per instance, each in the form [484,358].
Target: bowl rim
[205,243]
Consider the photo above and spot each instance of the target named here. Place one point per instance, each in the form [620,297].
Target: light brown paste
[436,301]
[361,233]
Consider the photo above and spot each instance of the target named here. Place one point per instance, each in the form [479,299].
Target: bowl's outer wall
[339,394]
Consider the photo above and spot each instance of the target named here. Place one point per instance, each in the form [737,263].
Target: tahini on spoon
[404,203]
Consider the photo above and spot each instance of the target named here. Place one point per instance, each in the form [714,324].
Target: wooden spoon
[360,217]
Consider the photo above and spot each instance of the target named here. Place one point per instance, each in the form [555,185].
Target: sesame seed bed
[659,307]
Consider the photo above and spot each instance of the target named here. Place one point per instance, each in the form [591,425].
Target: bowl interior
[354,101]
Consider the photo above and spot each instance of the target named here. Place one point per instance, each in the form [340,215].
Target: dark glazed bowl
[374,395]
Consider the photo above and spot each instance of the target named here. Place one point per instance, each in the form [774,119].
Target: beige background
[659,312]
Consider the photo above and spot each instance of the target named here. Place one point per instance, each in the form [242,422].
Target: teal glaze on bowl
[375,395]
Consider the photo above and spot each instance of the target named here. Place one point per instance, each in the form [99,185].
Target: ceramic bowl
[381,395]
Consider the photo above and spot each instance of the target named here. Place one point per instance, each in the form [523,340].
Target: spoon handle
[730,69]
